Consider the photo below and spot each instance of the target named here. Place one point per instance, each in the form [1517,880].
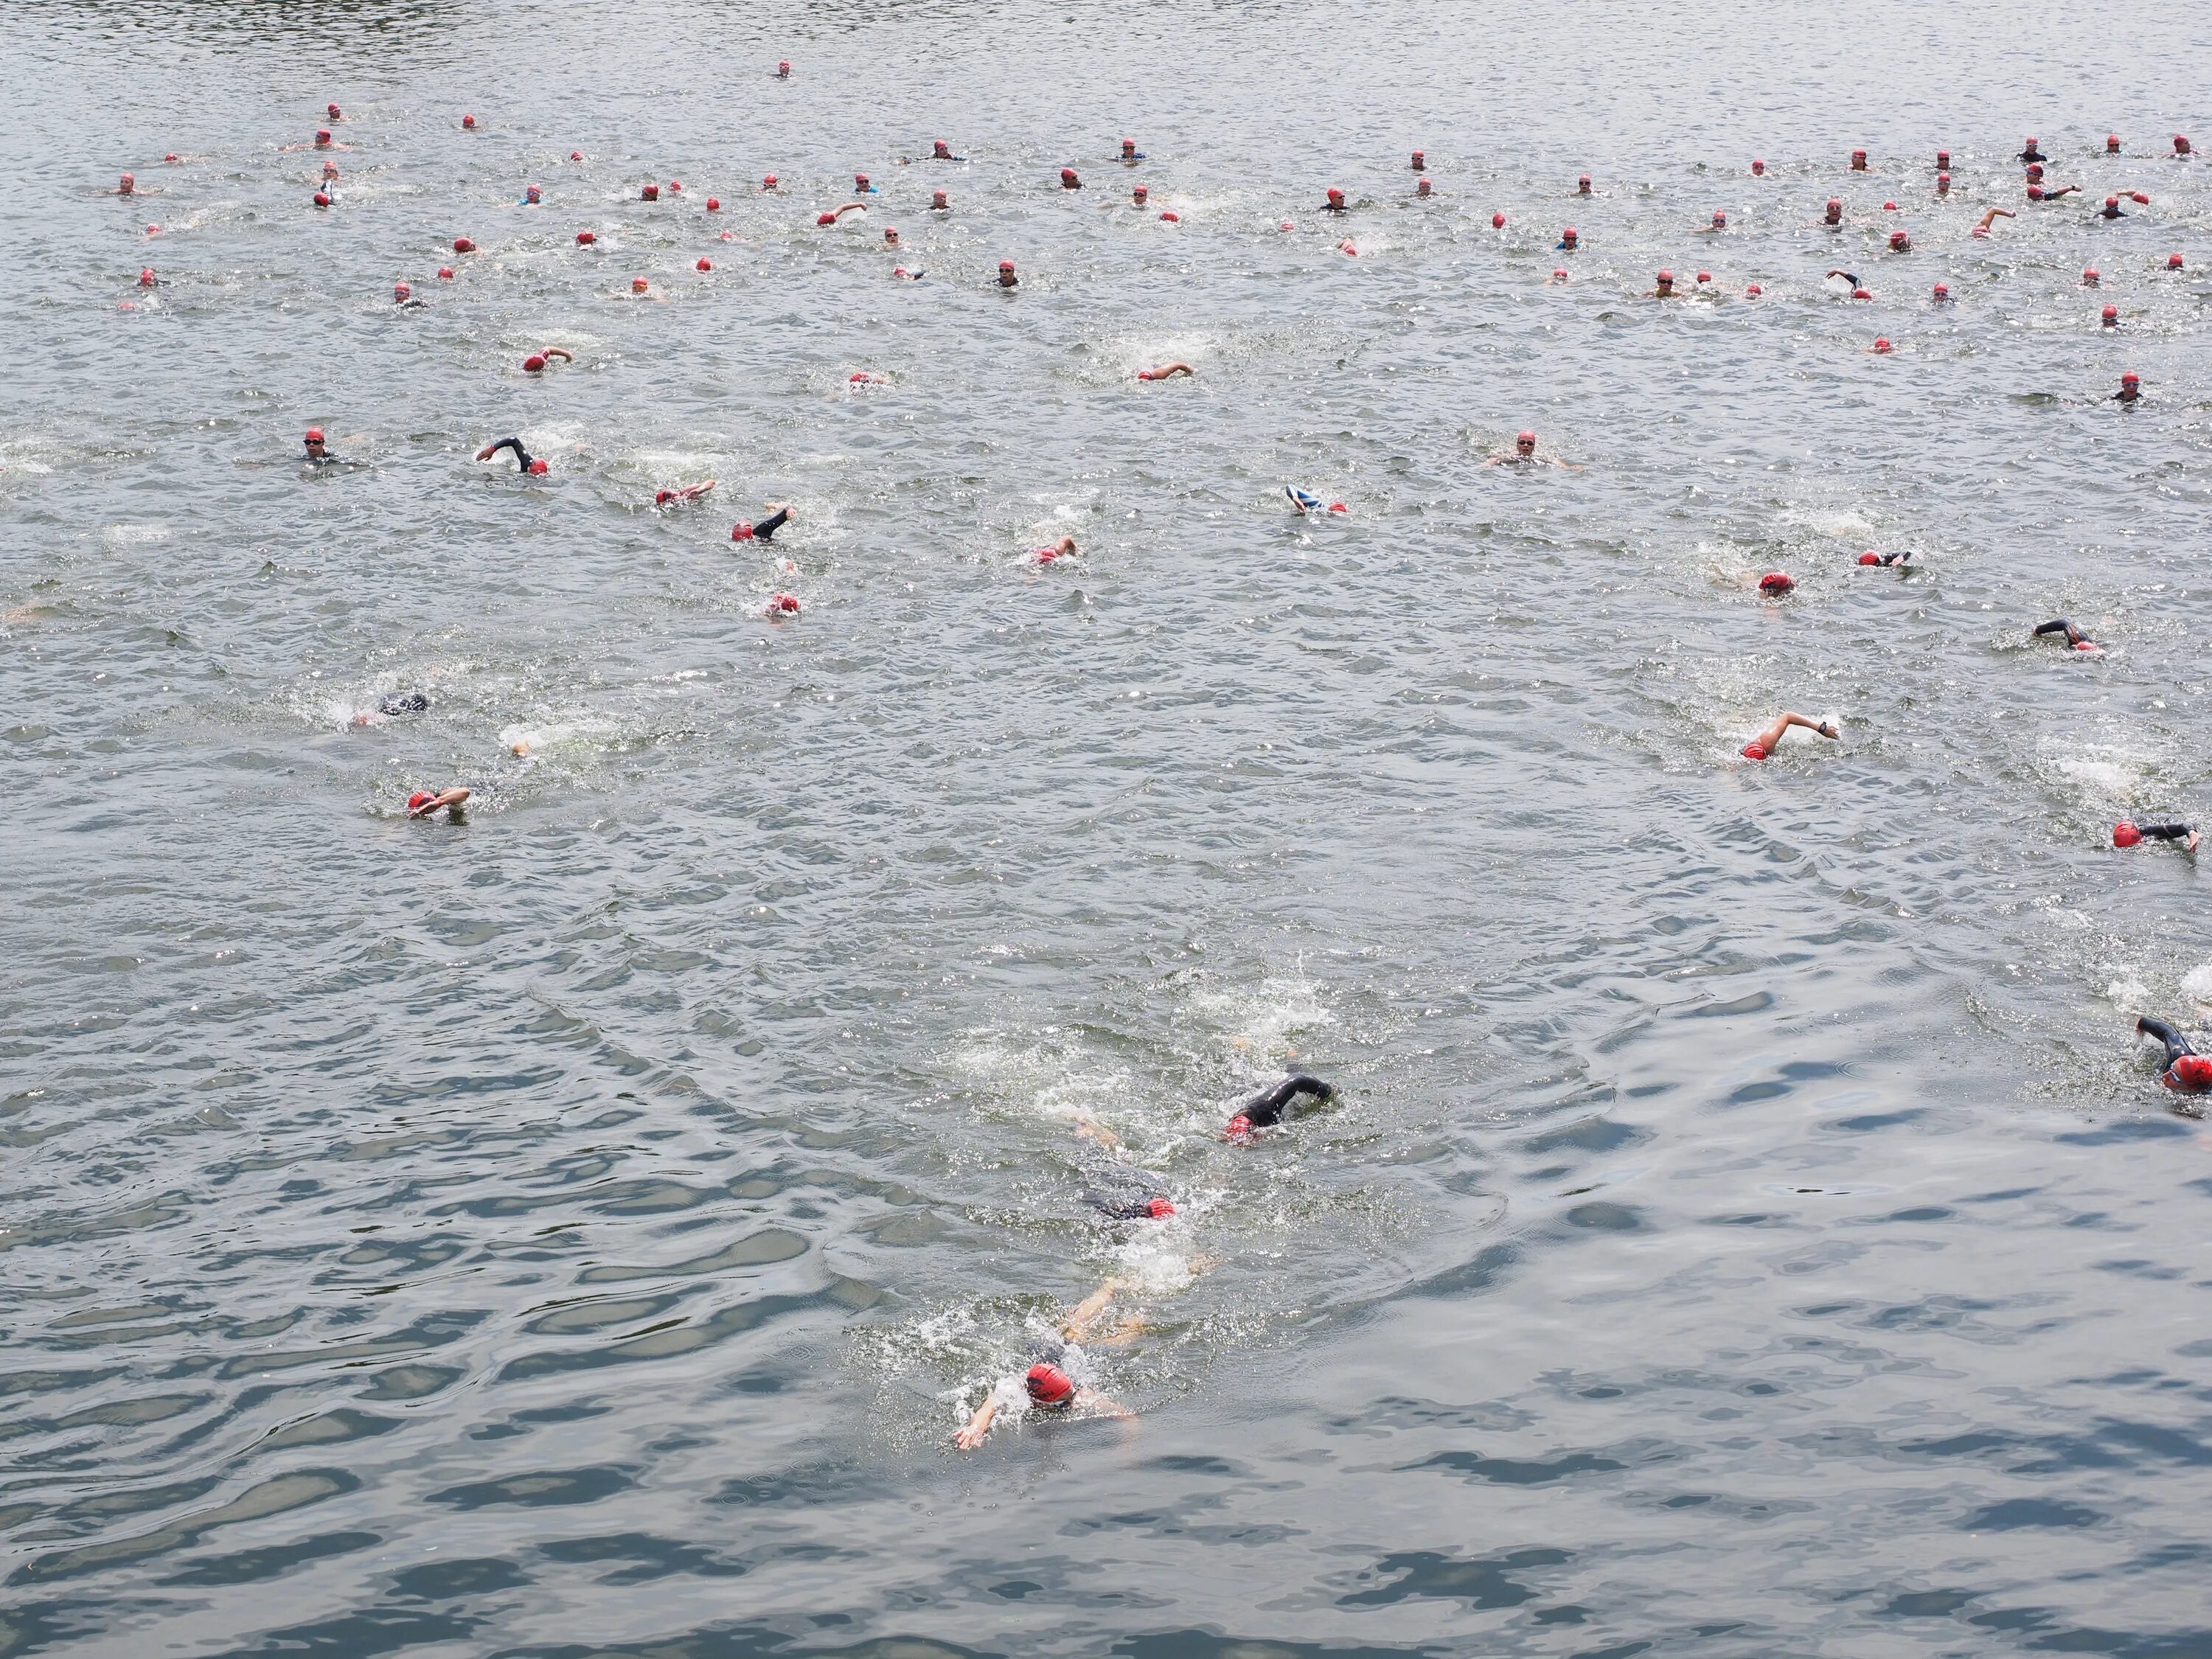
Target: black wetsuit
[766,529]
[1265,1109]
[402,703]
[2185,1070]
[1891,558]
[2073,635]
[2113,212]
[1127,1206]
[2164,831]
[522,457]
[2031,154]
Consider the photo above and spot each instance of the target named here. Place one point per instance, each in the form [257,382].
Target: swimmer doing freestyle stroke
[524,460]
[2186,1070]
[2075,637]
[1523,453]
[763,530]
[1048,1384]
[2126,834]
[1760,747]
[1269,1108]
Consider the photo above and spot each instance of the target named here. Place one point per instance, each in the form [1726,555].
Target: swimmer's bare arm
[1771,737]
[562,353]
[1088,1127]
[1079,1318]
[971,1435]
[1162,372]
[1090,1400]
[438,803]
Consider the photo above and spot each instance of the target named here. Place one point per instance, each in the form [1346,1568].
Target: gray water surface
[1747,1226]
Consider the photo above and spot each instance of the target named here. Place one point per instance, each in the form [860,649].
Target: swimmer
[2089,277]
[900,273]
[1335,203]
[1834,216]
[1130,153]
[535,362]
[1899,242]
[1139,197]
[2075,637]
[423,803]
[1523,453]
[1558,276]
[1665,290]
[319,452]
[524,460]
[2187,1072]
[1569,242]
[890,236]
[2112,208]
[1859,291]
[1062,548]
[1858,160]
[941,151]
[1777,583]
[1165,370]
[1006,277]
[1267,1108]
[1069,180]
[837,213]
[1583,185]
[1942,184]
[763,530]
[1757,167]
[531,196]
[2180,148]
[1940,294]
[2126,834]
[1718,225]
[782,69]
[861,187]
[682,496]
[393,705]
[1990,218]
[2131,392]
[1304,501]
[1871,558]
[939,203]
[2044,193]
[2112,317]
[2031,154]
[1424,190]
[128,186]
[1771,740]
[1046,1386]
[403,297]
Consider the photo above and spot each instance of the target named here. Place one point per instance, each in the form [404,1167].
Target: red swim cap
[1719,217]
[1889,207]
[638,285]
[768,181]
[1497,221]
[1559,273]
[1870,558]
[2111,313]
[1942,290]
[783,66]
[418,798]
[575,155]
[675,186]
[1067,179]
[2089,277]
[1859,155]
[1942,158]
[704,264]
[859,377]
[1568,234]
[2111,141]
[1334,194]
[1524,438]
[1006,265]
[447,272]
[2126,834]
[2193,1073]
[463,245]
[1705,275]
[1172,218]
[1898,239]
[586,238]
[662,497]
[2180,145]
[713,204]
[1881,342]
[1666,276]
[1754,291]
[538,466]
[783,605]
[1835,205]
[1860,294]
[1942,181]
[650,194]
[2130,378]
[533,363]
[333,110]
[1338,506]
[2035,171]
[468,120]
[860,181]
[2139,198]
[1751,751]
[400,290]
[1159,1209]
[1237,1129]
[322,135]
[314,435]
[1775,581]
[1420,158]
[1047,1384]
[2174,262]
[741,532]
[826,219]
[1757,165]
[146,277]
[2035,193]
[171,156]
[937,199]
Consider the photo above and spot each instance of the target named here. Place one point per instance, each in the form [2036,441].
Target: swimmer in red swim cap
[2075,639]
[2180,148]
[587,238]
[1166,370]
[939,203]
[837,213]
[468,124]
[2174,262]
[783,69]
[1268,1108]
[684,496]
[2186,1071]
[1665,289]
[524,460]
[649,193]
[1858,160]
[781,605]
[1942,184]
[1835,215]
[2030,154]
[1775,583]
[1941,293]
[424,802]
[2112,143]
[1139,196]
[318,448]
[463,245]
[322,198]
[331,111]
[2112,317]
[2126,834]
[535,362]
[1583,185]
[769,185]
[890,236]
[763,530]
[1049,1385]
[1870,557]
[1570,241]
[1006,277]
[1068,180]
[1990,218]
[1757,167]
[2089,277]
[1899,242]
[941,151]
[1497,221]
[128,187]
[2110,209]
[1062,548]
[1768,741]
[1335,202]
[1130,153]
[1422,190]
[402,296]
[2131,392]
[1754,291]
[1420,162]
[1880,347]
[1719,224]
[1523,453]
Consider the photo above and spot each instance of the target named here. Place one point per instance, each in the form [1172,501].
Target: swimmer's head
[322,137]
[2035,193]
[536,468]
[1581,184]
[575,155]
[1757,167]
[418,798]
[1942,184]
[2112,202]
[1171,218]
[1665,279]
[1128,149]
[1870,558]
[532,193]
[937,199]
[768,181]
[1159,1209]
[1525,442]
[1422,189]
[463,245]
[534,363]
[713,204]
[890,236]
[741,532]
[1754,750]
[1899,241]
[1860,294]
[1569,236]
[1335,196]
[2035,171]
[313,440]
[662,497]
[1048,1385]
[2180,145]
[1889,207]
[446,273]
[329,169]
[650,193]
[1775,583]
[1068,180]
[1560,273]
[860,181]
[331,110]
[1881,345]
[1942,158]
[2194,1072]
[2174,262]
[1497,221]
[1835,210]
[2089,278]
[705,263]
[941,150]
[2112,319]
[638,285]
[1420,162]
[1943,291]
[146,277]
[1006,277]
[1754,291]
[1720,220]
[468,122]
[322,198]
[400,291]
[1237,1131]
[1858,160]
[2131,378]
[782,604]
[2112,143]
[783,69]
[586,238]
[1138,194]
[127,185]
[2126,834]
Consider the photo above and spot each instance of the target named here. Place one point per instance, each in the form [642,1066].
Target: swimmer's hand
[971,1434]
[1827,729]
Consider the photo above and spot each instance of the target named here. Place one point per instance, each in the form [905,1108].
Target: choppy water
[1747,1227]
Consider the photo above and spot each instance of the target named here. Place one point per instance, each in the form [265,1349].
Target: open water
[1748,1225]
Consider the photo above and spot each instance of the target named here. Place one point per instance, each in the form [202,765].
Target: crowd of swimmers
[1059,1379]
